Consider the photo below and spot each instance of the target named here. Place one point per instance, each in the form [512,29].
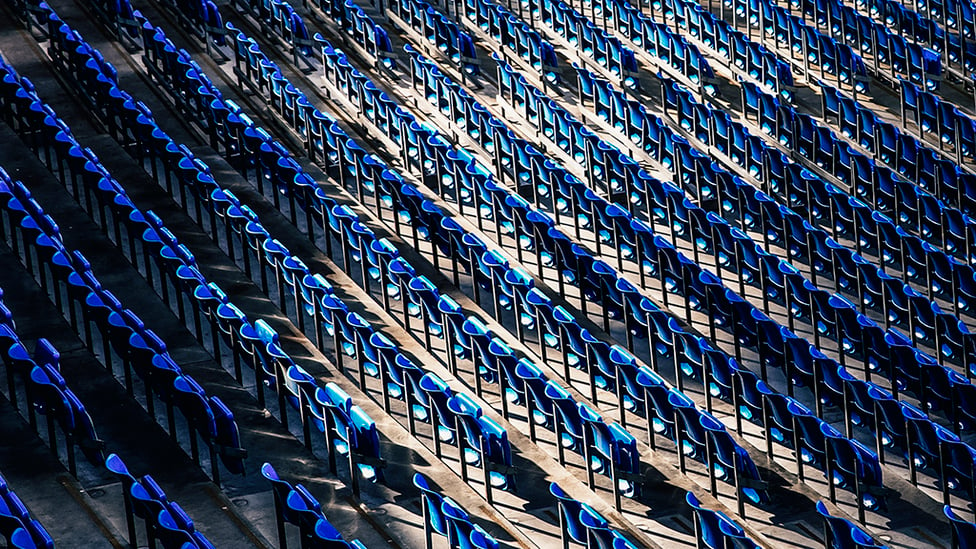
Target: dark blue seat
[963,531]
[571,527]
[958,471]
[462,532]
[840,533]
[17,526]
[714,529]
[280,491]
[599,535]
[612,451]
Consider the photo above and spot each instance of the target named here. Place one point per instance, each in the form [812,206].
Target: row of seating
[942,270]
[715,529]
[360,27]
[607,50]
[354,332]
[934,271]
[898,19]
[429,87]
[45,389]
[139,348]
[17,525]
[348,429]
[121,16]
[671,49]
[434,313]
[752,59]
[510,32]
[870,34]
[944,178]
[583,525]
[834,56]
[295,505]
[840,532]
[197,16]
[164,520]
[934,115]
[603,48]
[281,20]
[288,24]
[443,32]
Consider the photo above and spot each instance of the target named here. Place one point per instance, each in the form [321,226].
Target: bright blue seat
[306,510]
[568,422]
[12,520]
[146,500]
[599,535]
[658,409]
[731,463]
[351,433]
[538,405]
[169,533]
[227,441]
[435,522]
[76,423]
[402,382]
[436,395]
[21,539]
[484,444]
